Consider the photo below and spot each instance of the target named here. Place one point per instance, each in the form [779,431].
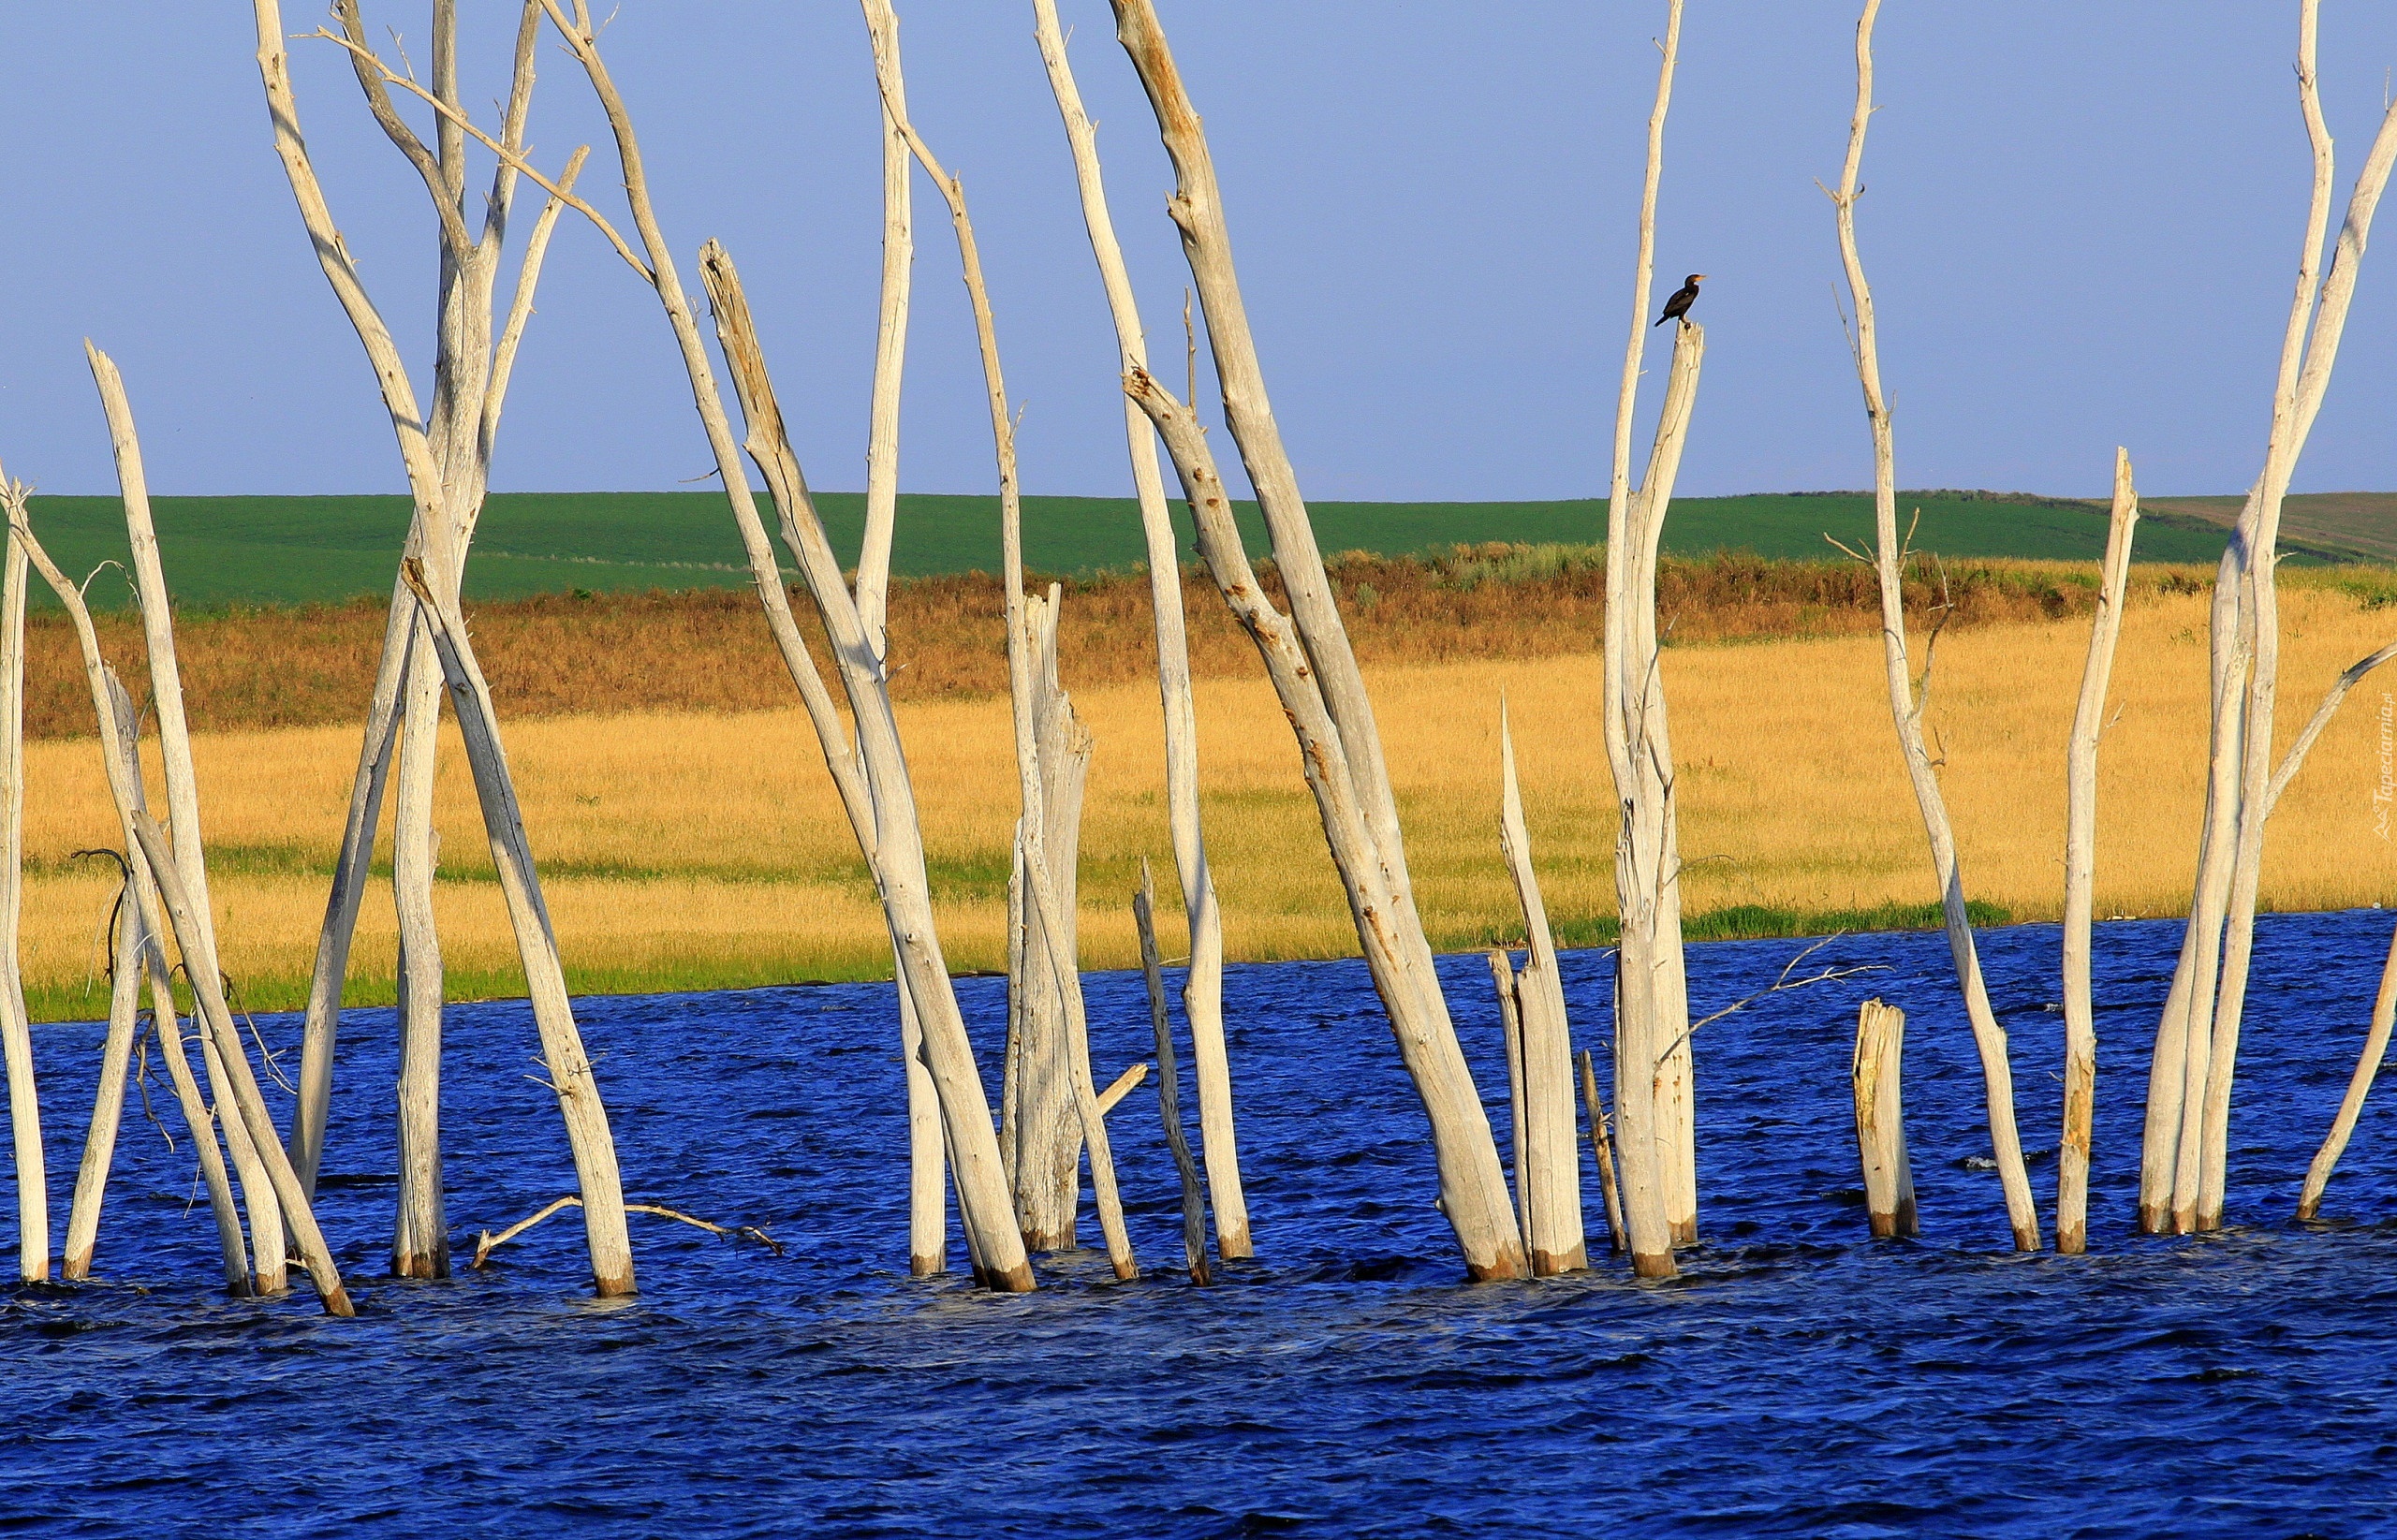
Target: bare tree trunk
[470,381]
[446,456]
[1602,1146]
[1906,705]
[871,776]
[16,1030]
[884,818]
[1202,996]
[2376,1049]
[1878,1079]
[1047,1130]
[217,1023]
[420,1230]
[1051,898]
[1551,1148]
[2293,421]
[1653,1060]
[108,1103]
[2080,868]
[927,1203]
[1194,1202]
[266,1246]
[147,960]
[1315,672]
[119,759]
[1511,1034]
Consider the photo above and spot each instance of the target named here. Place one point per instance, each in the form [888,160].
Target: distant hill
[2362,521]
[234,550]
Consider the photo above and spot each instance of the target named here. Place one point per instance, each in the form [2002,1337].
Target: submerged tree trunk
[1202,993]
[1194,1201]
[1548,1154]
[1906,705]
[2079,872]
[1877,1078]
[1315,672]
[447,454]
[16,1030]
[267,1244]
[1047,1129]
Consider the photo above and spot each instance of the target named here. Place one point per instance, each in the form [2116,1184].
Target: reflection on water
[1799,1380]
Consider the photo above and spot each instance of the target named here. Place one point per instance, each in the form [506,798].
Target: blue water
[1799,1380]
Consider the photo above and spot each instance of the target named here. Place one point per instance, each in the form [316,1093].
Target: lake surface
[1799,1380]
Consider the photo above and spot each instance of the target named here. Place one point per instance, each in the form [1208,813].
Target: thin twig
[1779,985]
[486,1242]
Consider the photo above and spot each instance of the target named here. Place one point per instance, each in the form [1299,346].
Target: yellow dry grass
[689,850]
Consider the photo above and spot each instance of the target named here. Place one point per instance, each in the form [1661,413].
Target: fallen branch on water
[486,1242]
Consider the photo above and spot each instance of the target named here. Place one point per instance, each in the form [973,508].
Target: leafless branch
[1781,985]
[486,1242]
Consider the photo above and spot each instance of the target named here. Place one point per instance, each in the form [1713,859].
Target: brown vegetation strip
[574,654]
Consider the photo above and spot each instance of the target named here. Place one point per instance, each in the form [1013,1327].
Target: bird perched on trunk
[1678,306]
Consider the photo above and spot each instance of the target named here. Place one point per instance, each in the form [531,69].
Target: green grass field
[223,551]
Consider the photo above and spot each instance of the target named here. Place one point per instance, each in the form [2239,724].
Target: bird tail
[1660,320]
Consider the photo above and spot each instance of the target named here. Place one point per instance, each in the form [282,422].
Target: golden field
[700,849]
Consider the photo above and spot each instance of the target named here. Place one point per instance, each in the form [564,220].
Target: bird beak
[1697,278]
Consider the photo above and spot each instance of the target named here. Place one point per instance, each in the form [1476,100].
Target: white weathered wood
[2342,1126]
[249,1105]
[266,1246]
[1652,1093]
[1876,1077]
[420,1230]
[1551,1147]
[1602,1147]
[1194,1201]
[125,947]
[1122,1086]
[1315,671]
[1047,1130]
[885,821]
[596,1173]
[16,1030]
[1906,705]
[119,764]
[1511,1034]
[471,373]
[927,1188]
[882,814]
[446,456]
[1051,897]
[1202,995]
[2080,868]
[108,1103]
[2293,420]
[889,357]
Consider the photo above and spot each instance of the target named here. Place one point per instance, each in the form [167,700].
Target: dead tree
[1203,992]
[1547,1145]
[1653,1088]
[1877,1078]
[927,1162]
[1194,1198]
[1908,701]
[445,455]
[1048,885]
[2183,1160]
[267,1243]
[161,891]
[16,1030]
[1314,671]
[2080,871]
[871,776]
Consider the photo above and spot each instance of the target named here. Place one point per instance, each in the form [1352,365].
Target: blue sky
[2082,221]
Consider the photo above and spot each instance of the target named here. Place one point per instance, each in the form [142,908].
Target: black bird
[1678,306]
